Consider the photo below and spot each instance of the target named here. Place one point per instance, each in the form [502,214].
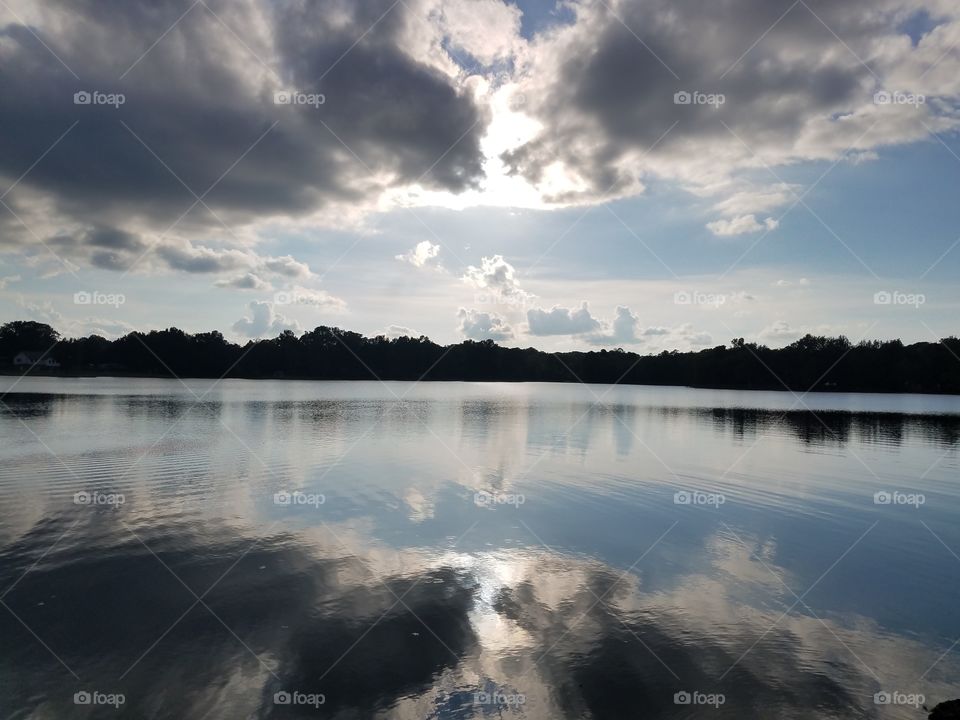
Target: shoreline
[307,378]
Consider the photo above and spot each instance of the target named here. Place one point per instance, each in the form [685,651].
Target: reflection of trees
[27,406]
[833,427]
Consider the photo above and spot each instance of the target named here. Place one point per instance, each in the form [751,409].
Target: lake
[255,549]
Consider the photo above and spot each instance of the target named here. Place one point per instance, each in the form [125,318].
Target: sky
[642,174]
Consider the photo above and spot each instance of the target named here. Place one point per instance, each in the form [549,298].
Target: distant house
[29,359]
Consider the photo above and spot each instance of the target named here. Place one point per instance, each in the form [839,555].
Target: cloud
[395,331]
[687,334]
[757,200]
[631,90]
[298,295]
[487,30]
[285,265]
[4,281]
[423,253]
[477,325]
[410,91]
[200,117]
[561,321]
[247,281]
[104,327]
[73,327]
[192,258]
[682,337]
[112,248]
[623,330]
[499,277]
[740,225]
[263,322]
[781,332]
[801,282]
[42,312]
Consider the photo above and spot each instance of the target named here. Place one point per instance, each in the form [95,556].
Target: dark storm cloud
[113,239]
[604,88]
[107,248]
[201,102]
[391,110]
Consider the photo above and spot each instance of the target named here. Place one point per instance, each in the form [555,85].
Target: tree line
[810,363]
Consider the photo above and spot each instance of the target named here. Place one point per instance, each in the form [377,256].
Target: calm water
[454,550]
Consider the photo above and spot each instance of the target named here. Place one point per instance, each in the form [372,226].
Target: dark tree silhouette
[810,363]
[26,335]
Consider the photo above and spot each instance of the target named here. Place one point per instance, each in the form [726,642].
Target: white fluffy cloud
[395,331]
[488,30]
[263,322]
[740,225]
[477,325]
[561,321]
[622,331]
[499,278]
[419,256]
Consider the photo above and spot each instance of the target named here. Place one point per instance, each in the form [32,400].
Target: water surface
[458,550]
